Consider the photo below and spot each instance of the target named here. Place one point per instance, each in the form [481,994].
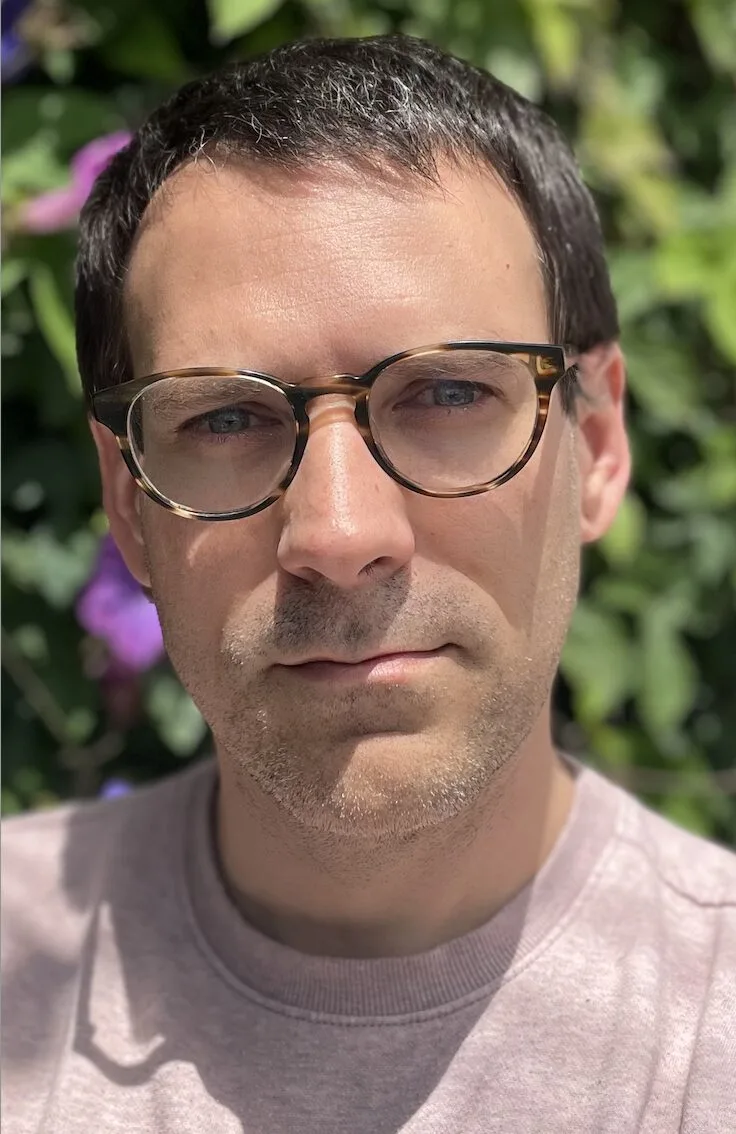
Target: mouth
[395,665]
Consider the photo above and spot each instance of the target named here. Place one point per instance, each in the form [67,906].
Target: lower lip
[389,667]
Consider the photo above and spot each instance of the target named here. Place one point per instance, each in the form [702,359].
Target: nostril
[375,566]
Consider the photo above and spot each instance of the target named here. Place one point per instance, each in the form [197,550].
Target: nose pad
[331,407]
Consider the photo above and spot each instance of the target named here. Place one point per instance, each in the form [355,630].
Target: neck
[436,887]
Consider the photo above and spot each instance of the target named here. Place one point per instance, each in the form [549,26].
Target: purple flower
[15,53]
[113,607]
[114,789]
[12,10]
[15,56]
[59,208]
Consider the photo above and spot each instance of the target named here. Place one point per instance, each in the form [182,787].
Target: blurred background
[645,91]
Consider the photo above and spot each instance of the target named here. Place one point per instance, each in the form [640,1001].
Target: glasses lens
[212,444]
[454,419]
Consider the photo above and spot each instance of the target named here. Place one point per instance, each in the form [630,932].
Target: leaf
[558,36]
[686,812]
[13,273]
[664,380]
[624,539]
[613,746]
[517,70]
[633,282]
[66,119]
[713,547]
[711,484]
[599,662]
[669,678]
[147,49]
[60,64]
[683,263]
[9,803]
[721,306]
[652,202]
[715,25]
[625,595]
[33,168]
[178,721]
[55,322]
[31,641]
[616,137]
[39,561]
[80,724]
[231,18]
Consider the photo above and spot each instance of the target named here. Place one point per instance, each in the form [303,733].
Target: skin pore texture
[366,817]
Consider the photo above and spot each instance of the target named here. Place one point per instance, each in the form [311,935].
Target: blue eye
[251,421]
[446,393]
[454,393]
[231,419]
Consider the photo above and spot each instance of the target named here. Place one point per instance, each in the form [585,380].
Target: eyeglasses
[450,420]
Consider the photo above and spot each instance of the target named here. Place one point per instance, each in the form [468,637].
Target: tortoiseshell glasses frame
[546,363]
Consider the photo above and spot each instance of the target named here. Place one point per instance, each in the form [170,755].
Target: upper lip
[356,659]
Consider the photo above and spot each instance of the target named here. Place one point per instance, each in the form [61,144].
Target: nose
[345,519]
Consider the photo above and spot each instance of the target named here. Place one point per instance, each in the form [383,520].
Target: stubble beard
[381,766]
[377,767]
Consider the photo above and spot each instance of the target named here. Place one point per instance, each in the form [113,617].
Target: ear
[122,499]
[603,446]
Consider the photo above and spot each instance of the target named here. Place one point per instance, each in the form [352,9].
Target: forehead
[327,268]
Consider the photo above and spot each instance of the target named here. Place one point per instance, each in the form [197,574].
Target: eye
[453,393]
[225,421]
[447,393]
[231,419]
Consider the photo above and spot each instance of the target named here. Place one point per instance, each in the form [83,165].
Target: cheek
[520,544]
[199,570]
[478,537]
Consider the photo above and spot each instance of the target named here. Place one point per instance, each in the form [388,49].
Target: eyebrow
[452,362]
[210,392]
[457,359]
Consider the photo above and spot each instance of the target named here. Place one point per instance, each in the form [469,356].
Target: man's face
[322,274]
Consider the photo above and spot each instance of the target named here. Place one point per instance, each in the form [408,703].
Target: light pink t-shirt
[601,999]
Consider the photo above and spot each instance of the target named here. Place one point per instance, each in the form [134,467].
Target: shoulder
[55,862]
[674,894]
[662,891]
[36,835]
[692,869]
[688,893]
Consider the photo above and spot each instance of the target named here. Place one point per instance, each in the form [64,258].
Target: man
[351,359]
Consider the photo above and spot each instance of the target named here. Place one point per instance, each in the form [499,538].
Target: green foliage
[645,90]
[230,18]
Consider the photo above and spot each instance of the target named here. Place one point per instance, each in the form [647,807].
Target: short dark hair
[393,103]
